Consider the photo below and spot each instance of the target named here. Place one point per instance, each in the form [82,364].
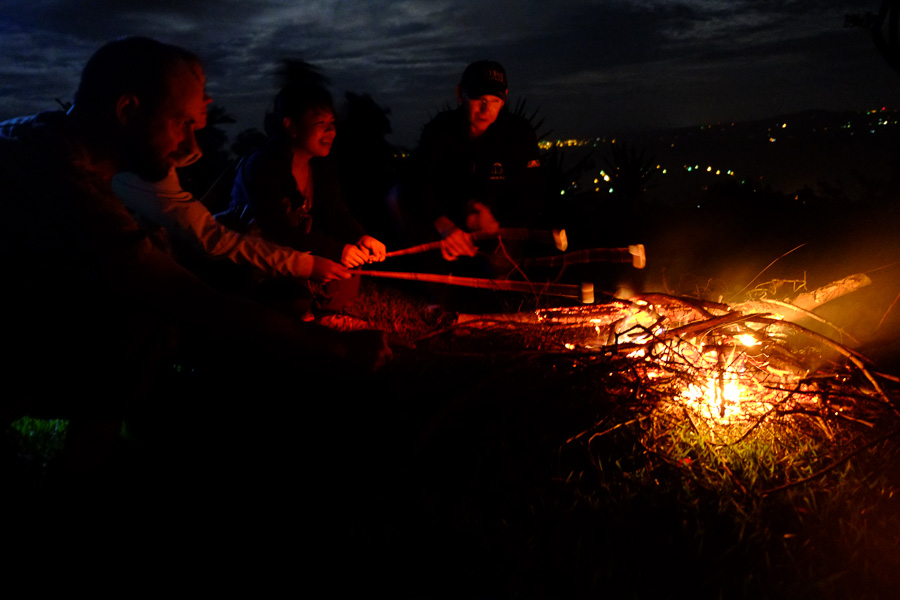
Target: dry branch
[741,376]
[835,289]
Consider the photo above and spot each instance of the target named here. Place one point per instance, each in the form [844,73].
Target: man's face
[482,112]
[165,139]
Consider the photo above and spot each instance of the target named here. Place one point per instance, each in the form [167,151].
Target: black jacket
[500,169]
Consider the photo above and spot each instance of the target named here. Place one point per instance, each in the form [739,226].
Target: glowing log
[803,304]
[835,289]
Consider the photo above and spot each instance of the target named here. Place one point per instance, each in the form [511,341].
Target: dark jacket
[83,333]
[500,168]
[265,199]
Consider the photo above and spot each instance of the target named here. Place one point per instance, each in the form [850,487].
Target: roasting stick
[435,245]
[557,236]
[634,254]
[584,293]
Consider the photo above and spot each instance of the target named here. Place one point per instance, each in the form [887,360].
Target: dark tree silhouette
[885,28]
[520,110]
[630,170]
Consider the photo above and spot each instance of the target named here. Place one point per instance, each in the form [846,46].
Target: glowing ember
[748,340]
[729,373]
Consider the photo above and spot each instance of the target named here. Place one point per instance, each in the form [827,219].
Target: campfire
[661,426]
[731,373]
[725,375]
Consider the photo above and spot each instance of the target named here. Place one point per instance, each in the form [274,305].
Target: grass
[487,469]
[37,441]
[645,504]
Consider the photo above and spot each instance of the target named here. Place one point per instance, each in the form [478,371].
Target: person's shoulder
[272,155]
[275,146]
[12,128]
[36,139]
[511,122]
[512,130]
[447,128]
[38,125]
[448,120]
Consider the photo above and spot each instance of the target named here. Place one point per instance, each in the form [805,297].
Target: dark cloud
[593,67]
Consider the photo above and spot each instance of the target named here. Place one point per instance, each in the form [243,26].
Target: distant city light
[863,121]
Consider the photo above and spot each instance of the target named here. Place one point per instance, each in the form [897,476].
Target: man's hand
[480,218]
[455,242]
[376,250]
[325,270]
[354,256]
[458,243]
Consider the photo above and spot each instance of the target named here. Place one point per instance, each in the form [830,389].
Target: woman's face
[315,133]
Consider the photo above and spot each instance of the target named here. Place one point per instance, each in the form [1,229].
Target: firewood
[835,289]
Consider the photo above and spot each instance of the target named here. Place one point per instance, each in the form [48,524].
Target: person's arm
[165,204]
[526,196]
[154,280]
[454,241]
[146,277]
[432,159]
[436,176]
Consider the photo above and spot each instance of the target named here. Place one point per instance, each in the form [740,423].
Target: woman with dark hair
[288,191]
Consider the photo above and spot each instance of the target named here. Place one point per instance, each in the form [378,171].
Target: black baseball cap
[483,78]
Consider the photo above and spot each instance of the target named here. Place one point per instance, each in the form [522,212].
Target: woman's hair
[303,88]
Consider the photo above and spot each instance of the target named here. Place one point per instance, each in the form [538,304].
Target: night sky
[593,67]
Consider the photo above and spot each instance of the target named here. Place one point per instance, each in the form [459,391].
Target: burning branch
[732,374]
[827,293]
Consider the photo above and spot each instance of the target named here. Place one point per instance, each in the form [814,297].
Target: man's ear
[458,95]
[127,108]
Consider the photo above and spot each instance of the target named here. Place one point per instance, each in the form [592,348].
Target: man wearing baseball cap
[477,165]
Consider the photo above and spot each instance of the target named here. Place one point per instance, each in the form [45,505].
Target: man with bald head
[91,302]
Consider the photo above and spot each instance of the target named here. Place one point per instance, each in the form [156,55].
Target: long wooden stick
[557,237]
[435,245]
[632,254]
[553,289]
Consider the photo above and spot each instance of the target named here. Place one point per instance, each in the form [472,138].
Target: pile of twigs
[691,372]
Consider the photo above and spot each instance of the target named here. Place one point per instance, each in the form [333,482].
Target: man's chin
[180,159]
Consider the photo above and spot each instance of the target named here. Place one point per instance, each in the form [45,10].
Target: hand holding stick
[557,236]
